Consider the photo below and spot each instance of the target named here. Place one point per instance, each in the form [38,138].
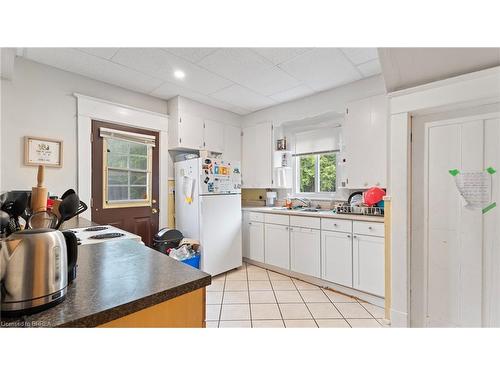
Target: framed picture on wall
[43,151]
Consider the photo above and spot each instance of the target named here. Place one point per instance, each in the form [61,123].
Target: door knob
[154,210]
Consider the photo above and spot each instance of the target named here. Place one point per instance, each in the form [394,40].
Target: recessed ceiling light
[179,74]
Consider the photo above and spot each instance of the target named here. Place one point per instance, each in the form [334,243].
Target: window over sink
[316,173]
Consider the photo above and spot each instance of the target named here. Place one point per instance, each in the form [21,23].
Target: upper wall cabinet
[232,143]
[256,162]
[213,136]
[365,143]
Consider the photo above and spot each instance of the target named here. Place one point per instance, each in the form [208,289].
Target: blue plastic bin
[193,261]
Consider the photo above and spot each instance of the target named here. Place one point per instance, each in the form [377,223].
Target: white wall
[326,101]
[39,101]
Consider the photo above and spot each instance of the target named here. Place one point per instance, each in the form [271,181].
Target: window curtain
[142,139]
[315,141]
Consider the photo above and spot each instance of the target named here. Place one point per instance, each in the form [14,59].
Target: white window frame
[316,195]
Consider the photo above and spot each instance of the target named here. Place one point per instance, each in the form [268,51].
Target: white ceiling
[409,67]
[241,80]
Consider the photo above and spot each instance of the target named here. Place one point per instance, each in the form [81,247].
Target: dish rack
[360,210]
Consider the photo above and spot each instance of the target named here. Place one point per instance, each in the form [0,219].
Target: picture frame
[43,151]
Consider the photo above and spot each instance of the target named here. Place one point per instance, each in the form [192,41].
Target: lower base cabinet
[256,241]
[277,245]
[305,251]
[336,254]
[369,264]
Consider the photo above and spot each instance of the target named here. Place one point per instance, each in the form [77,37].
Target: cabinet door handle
[370,228]
[335,224]
[348,236]
[249,223]
[291,229]
[354,236]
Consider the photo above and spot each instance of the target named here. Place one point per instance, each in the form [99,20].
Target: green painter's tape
[490,207]
[454,172]
[491,170]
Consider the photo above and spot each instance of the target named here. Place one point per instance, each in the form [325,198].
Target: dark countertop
[114,279]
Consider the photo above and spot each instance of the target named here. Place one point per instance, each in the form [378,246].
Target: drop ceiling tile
[360,55]
[159,63]
[293,93]
[279,55]
[322,69]
[370,68]
[105,53]
[192,54]
[235,63]
[94,67]
[242,97]
[269,81]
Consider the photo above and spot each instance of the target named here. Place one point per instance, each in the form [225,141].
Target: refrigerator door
[220,177]
[220,233]
[187,217]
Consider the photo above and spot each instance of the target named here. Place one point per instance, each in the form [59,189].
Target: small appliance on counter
[271,198]
[37,267]
[166,239]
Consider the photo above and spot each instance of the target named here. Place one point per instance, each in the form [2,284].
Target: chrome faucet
[307,202]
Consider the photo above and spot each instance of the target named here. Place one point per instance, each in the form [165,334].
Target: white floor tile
[364,323]
[236,285]
[301,285]
[338,297]
[258,275]
[235,312]
[265,311]
[216,286]
[332,323]
[268,324]
[352,310]
[377,312]
[235,297]
[259,285]
[384,323]
[236,275]
[288,296]
[220,277]
[277,276]
[212,312]
[214,298]
[314,296]
[212,324]
[300,324]
[262,296]
[294,311]
[235,324]
[283,285]
[323,311]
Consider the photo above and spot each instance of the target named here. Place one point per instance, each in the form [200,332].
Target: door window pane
[117,177]
[138,162]
[118,193]
[138,192]
[138,178]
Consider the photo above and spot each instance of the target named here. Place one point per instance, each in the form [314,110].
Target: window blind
[143,139]
[317,141]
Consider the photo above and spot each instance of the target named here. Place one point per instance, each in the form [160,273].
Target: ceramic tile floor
[253,297]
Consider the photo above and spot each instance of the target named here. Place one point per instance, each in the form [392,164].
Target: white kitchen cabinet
[336,255]
[368,264]
[213,134]
[232,143]
[277,245]
[365,143]
[189,132]
[253,238]
[257,163]
[305,251]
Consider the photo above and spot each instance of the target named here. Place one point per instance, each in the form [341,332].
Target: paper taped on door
[474,187]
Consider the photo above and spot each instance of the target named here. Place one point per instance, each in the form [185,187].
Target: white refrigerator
[208,208]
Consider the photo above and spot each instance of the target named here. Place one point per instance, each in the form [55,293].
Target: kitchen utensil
[67,192]
[356,196]
[68,208]
[42,219]
[82,207]
[39,193]
[18,208]
[38,263]
[373,195]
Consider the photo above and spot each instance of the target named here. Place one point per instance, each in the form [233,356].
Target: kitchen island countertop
[115,279]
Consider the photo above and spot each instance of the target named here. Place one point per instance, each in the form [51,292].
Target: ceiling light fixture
[179,74]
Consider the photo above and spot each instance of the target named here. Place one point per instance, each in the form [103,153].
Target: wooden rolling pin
[39,193]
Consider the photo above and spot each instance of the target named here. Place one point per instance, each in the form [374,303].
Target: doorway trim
[90,108]
[468,90]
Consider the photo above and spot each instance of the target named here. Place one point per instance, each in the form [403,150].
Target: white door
[256,241]
[305,251]
[462,262]
[220,233]
[248,164]
[336,255]
[368,264]
[232,143]
[277,245]
[191,132]
[213,136]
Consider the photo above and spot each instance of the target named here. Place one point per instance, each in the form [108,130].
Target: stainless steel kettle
[36,267]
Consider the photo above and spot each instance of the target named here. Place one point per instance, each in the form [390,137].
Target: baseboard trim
[399,319]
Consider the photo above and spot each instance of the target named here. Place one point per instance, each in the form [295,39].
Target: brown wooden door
[125,181]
